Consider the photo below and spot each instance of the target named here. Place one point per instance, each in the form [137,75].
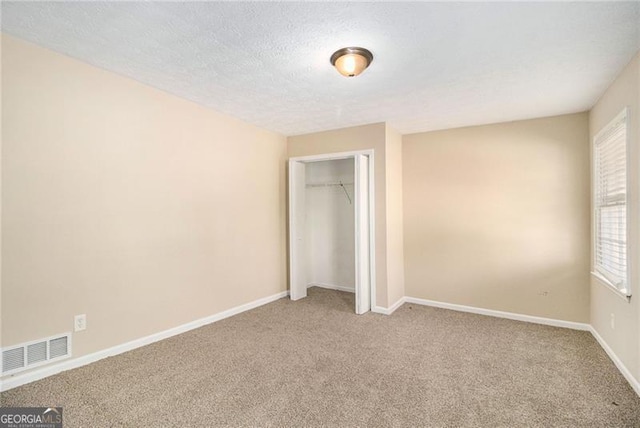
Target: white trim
[397,304]
[499,314]
[628,283]
[372,226]
[537,320]
[370,153]
[389,310]
[32,376]
[609,286]
[619,364]
[362,235]
[380,310]
[332,156]
[38,374]
[295,227]
[332,287]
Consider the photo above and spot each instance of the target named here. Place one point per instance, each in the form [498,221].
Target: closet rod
[328,184]
[339,184]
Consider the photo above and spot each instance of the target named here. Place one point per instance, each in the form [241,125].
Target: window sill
[606,284]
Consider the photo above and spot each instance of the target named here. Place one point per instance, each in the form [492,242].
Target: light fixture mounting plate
[352,50]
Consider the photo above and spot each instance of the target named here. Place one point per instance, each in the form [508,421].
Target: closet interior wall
[329,206]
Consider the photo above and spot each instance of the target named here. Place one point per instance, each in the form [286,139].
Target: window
[610,204]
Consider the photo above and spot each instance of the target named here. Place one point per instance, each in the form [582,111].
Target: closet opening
[331,225]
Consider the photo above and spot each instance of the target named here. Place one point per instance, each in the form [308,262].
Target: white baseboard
[537,320]
[499,314]
[37,374]
[331,287]
[619,364]
[391,309]
[41,373]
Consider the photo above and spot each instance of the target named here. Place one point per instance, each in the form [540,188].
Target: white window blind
[610,202]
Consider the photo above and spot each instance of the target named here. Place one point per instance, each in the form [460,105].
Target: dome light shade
[351,61]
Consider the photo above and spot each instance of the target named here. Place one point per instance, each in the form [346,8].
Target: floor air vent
[36,353]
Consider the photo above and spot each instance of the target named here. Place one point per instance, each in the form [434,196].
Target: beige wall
[350,139]
[142,210]
[625,338]
[497,216]
[395,237]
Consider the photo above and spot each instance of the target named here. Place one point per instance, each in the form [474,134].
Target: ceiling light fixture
[351,61]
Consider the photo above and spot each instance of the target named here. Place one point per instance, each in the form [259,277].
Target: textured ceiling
[437,65]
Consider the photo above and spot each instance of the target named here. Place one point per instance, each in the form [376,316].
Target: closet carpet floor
[315,363]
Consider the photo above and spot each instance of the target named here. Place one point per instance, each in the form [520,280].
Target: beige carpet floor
[315,363]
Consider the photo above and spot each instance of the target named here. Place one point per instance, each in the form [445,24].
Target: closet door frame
[365,259]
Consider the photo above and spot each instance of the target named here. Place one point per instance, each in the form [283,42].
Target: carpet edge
[617,361]
[41,373]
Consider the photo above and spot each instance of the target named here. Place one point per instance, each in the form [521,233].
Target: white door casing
[364,226]
[297,219]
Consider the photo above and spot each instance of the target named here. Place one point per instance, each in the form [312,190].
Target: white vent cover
[36,353]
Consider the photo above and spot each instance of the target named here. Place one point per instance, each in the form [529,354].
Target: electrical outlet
[613,321]
[80,322]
